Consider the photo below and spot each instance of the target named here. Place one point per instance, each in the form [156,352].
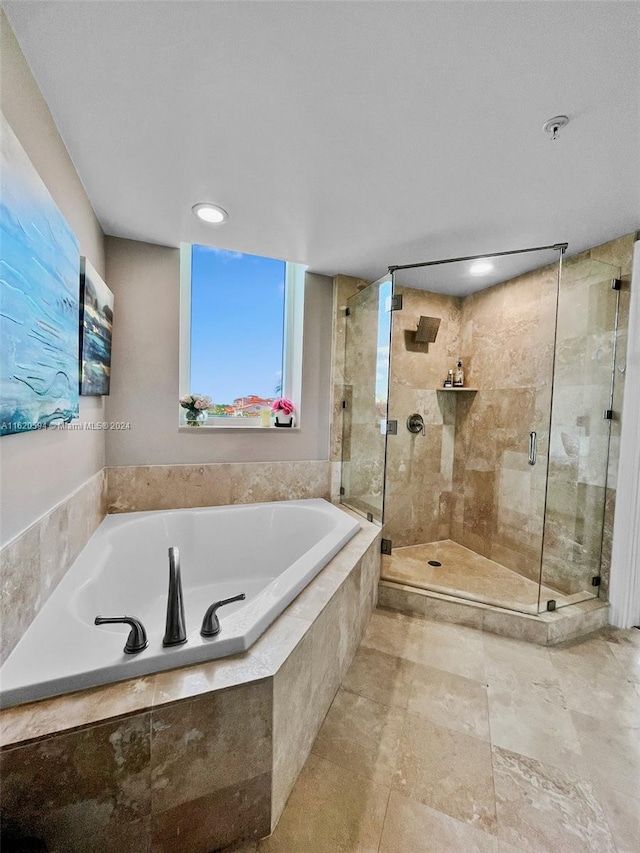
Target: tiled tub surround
[266,551]
[32,564]
[194,759]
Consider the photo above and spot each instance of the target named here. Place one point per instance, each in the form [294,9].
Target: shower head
[427,330]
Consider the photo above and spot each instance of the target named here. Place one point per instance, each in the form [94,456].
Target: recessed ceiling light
[480,268]
[210,213]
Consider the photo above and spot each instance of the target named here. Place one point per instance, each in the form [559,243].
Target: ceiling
[348,135]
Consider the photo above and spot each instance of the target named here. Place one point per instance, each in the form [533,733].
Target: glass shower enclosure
[495,491]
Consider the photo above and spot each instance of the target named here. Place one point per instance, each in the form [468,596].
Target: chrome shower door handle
[533,447]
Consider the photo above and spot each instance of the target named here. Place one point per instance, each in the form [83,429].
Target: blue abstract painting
[39,299]
[96,323]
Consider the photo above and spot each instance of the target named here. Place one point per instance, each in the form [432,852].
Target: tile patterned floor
[465,574]
[445,739]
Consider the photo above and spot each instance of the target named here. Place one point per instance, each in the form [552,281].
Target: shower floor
[465,574]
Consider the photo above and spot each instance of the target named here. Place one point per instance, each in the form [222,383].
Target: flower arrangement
[284,410]
[281,404]
[197,406]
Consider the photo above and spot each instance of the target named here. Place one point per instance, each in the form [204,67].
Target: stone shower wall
[507,346]
[420,468]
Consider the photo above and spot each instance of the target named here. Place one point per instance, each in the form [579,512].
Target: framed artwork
[96,323]
[39,299]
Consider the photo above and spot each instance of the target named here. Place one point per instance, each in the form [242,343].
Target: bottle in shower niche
[458,376]
[448,382]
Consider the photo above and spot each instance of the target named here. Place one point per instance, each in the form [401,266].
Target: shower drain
[434,563]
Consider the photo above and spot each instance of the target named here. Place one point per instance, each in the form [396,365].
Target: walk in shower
[495,491]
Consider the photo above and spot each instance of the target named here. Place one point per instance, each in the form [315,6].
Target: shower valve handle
[415,424]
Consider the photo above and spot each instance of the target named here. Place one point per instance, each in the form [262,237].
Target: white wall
[39,469]
[144,379]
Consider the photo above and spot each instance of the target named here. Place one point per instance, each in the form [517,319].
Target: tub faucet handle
[211,623]
[137,639]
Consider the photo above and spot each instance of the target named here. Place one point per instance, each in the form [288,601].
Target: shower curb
[545,629]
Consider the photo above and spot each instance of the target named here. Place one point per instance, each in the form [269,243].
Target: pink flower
[281,404]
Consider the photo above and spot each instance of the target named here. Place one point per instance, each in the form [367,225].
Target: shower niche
[506,487]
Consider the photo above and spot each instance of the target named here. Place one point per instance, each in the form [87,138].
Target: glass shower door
[581,419]
[365,398]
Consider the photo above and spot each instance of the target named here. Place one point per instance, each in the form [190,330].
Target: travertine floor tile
[602,695]
[410,826]
[330,810]
[394,634]
[623,816]
[530,726]
[453,648]
[542,809]
[521,667]
[381,677]
[361,736]
[450,700]
[612,753]
[448,771]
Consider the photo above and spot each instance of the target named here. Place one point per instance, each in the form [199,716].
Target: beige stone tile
[523,723]
[212,822]
[522,668]
[361,736]
[408,599]
[515,625]
[330,810]
[628,657]
[88,790]
[412,826]
[595,681]
[189,682]
[611,752]
[26,723]
[295,721]
[380,677]
[394,634]
[279,640]
[21,588]
[453,648]
[543,808]
[451,701]
[602,694]
[448,771]
[230,730]
[623,816]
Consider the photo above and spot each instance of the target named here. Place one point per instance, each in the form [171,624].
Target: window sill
[251,429]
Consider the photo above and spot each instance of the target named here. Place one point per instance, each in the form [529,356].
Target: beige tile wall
[420,467]
[507,336]
[155,487]
[33,563]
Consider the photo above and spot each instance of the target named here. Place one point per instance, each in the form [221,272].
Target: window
[240,332]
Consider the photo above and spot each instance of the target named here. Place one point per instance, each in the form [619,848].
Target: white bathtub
[269,551]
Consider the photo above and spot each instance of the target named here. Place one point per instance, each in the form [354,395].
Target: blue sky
[237,320]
